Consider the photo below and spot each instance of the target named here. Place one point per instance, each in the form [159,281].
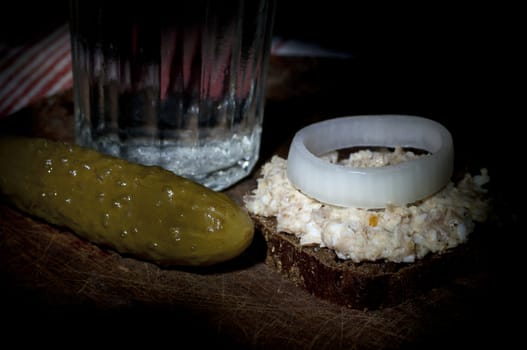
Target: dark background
[462,50]
[459,42]
[451,30]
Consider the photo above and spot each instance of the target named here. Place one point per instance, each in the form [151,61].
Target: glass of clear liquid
[181,86]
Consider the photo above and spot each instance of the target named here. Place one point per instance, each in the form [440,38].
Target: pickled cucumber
[142,211]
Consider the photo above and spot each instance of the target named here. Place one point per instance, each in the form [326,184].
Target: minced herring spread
[397,233]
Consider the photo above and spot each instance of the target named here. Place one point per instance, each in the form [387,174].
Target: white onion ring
[371,187]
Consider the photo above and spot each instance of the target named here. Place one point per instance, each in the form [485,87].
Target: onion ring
[371,188]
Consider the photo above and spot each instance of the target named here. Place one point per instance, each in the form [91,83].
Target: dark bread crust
[366,285]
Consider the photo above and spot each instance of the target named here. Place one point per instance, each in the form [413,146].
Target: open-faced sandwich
[375,227]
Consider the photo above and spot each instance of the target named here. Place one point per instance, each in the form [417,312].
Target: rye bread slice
[366,285]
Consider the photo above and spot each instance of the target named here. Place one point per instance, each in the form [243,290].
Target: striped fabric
[31,72]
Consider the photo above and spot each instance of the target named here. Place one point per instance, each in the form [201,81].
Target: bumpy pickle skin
[142,211]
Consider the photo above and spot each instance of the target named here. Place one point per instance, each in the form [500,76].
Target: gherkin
[142,211]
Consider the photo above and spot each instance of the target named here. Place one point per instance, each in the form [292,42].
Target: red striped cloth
[41,69]
[33,71]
